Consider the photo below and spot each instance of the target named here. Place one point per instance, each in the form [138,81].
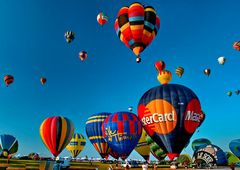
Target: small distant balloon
[8,79]
[83,55]
[130,108]
[236,45]
[43,80]
[102,18]
[207,71]
[229,93]
[69,36]
[221,60]
[160,65]
[164,77]
[237,92]
[179,71]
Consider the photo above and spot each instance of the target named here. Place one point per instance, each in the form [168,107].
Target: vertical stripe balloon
[8,145]
[56,132]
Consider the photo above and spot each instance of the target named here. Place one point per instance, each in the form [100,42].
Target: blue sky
[193,35]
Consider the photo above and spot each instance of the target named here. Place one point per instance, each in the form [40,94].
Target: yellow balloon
[142,147]
[76,144]
[164,76]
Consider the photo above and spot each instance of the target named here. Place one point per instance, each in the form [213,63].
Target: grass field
[35,164]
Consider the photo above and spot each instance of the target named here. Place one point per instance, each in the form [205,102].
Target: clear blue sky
[193,35]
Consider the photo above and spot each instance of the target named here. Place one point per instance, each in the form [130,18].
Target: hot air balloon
[43,80]
[207,71]
[8,145]
[234,146]
[56,132]
[179,71]
[155,149]
[122,131]
[221,60]
[229,93]
[114,154]
[197,143]
[69,36]
[160,65]
[8,79]
[142,147]
[237,92]
[184,159]
[136,26]
[231,158]
[76,144]
[170,114]
[95,134]
[210,155]
[236,45]
[83,55]
[130,108]
[102,18]
[164,77]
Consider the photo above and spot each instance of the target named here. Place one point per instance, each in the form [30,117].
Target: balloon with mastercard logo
[170,114]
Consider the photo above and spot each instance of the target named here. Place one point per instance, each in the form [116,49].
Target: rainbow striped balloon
[56,132]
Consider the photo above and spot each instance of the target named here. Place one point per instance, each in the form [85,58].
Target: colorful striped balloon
[8,79]
[56,132]
[102,18]
[95,135]
[179,71]
[122,131]
[76,144]
[136,26]
[236,45]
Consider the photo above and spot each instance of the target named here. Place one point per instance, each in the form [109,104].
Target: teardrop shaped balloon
[43,80]
[56,132]
[179,71]
[83,55]
[229,93]
[221,60]
[142,146]
[8,145]
[76,145]
[160,65]
[8,79]
[170,114]
[95,134]
[102,18]
[122,131]
[69,36]
[164,77]
[136,26]
[207,71]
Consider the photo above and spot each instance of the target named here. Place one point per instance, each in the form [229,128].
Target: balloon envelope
[155,149]
[76,144]
[122,131]
[170,114]
[136,26]
[8,145]
[231,158]
[56,132]
[234,146]
[102,18]
[142,146]
[95,134]
[8,79]
[197,143]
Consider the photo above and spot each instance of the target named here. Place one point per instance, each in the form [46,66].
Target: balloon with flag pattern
[76,145]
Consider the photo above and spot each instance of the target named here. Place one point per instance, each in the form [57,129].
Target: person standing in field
[155,166]
[145,166]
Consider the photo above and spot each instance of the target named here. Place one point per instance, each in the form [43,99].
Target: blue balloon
[122,131]
[234,146]
[8,145]
[95,135]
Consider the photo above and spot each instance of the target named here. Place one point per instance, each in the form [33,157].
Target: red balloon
[8,79]
[160,65]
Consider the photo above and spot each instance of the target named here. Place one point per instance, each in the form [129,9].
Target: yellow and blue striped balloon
[76,144]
